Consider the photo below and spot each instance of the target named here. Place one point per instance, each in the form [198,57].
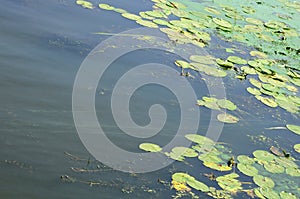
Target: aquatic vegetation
[271,31]
[227,118]
[293,128]
[150,147]
[85,4]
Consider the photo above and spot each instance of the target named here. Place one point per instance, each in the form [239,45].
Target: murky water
[42,44]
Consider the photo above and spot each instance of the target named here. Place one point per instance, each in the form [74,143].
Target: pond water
[43,44]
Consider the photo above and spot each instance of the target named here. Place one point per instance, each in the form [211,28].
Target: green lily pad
[297,147]
[245,159]
[195,184]
[85,4]
[272,167]
[182,177]
[224,103]
[229,182]
[161,22]
[222,23]
[209,157]
[150,147]
[236,60]
[286,195]
[293,128]
[227,118]
[255,82]
[131,16]
[253,91]
[199,139]
[209,70]
[269,193]
[216,166]
[223,63]
[212,10]
[182,64]
[292,171]
[263,155]
[258,194]
[106,6]
[184,151]
[175,156]
[269,102]
[263,181]
[259,54]
[203,59]
[146,23]
[247,169]
[254,21]
[248,70]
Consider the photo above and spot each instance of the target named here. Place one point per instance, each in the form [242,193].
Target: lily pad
[106,6]
[224,103]
[199,139]
[223,63]
[297,147]
[263,181]
[182,64]
[247,169]
[292,171]
[150,147]
[146,23]
[269,102]
[184,151]
[248,70]
[293,128]
[236,60]
[253,91]
[222,23]
[269,193]
[195,184]
[263,155]
[216,166]
[245,159]
[272,167]
[227,118]
[85,4]
[131,16]
[182,177]
[286,195]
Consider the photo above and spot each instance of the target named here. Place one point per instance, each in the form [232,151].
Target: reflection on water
[42,46]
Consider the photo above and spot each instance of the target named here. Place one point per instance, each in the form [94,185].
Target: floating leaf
[182,177]
[106,6]
[229,183]
[131,16]
[269,193]
[272,167]
[179,186]
[224,103]
[254,21]
[258,54]
[292,171]
[150,147]
[255,82]
[236,60]
[195,184]
[216,166]
[263,155]
[225,64]
[85,4]
[199,139]
[209,70]
[248,70]
[297,147]
[245,159]
[222,22]
[202,59]
[182,64]
[253,91]
[184,151]
[146,23]
[293,128]
[268,101]
[227,118]
[263,181]
[247,169]
[208,157]
[286,195]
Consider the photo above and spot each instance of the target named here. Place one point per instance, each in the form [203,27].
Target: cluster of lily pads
[271,30]
[259,170]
